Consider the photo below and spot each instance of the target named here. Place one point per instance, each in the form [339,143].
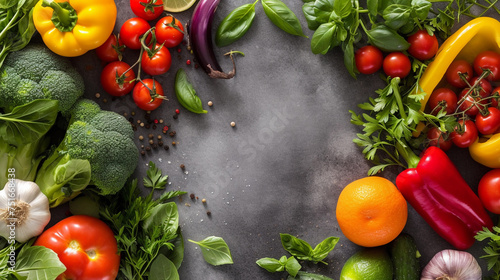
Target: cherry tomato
[132,31]
[484,87]
[459,73]
[111,50]
[489,190]
[439,139]
[158,63]
[470,104]
[397,64]
[495,94]
[422,45]
[147,9]
[148,95]
[85,245]
[167,34]
[115,81]
[488,60]
[488,123]
[443,98]
[368,59]
[464,134]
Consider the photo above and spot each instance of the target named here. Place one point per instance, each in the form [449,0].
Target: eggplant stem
[222,75]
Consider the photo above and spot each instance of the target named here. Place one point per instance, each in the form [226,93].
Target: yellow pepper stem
[64,16]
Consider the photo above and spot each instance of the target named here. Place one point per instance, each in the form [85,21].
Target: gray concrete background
[281,169]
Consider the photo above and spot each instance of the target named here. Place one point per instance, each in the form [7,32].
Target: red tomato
[158,63]
[111,50]
[147,9]
[368,59]
[489,190]
[148,95]
[459,73]
[495,96]
[168,34]
[484,87]
[132,30]
[85,245]
[488,60]
[422,45]
[115,81]
[488,123]
[397,64]
[443,98]
[439,139]
[470,105]
[465,134]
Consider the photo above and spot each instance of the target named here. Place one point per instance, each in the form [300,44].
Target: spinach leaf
[308,10]
[291,265]
[164,216]
[282,17]
[163,269]
[296,246]
[323,37]
[387,39]
[38,263]
[215,250]
[235,24]
[186,95]
[302,275]
[29,122]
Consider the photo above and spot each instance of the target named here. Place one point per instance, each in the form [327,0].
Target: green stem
[399,100]
[62,14]
[12,22]
[410,157]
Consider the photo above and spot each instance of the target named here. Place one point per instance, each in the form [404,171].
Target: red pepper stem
[406,152]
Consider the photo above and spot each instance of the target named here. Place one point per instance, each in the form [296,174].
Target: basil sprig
[291,265]
[186,95]
[235,24]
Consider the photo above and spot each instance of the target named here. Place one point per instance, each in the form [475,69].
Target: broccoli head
[35,72]
[102,138]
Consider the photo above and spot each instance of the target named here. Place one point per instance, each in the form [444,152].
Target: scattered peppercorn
[173,143]
[151,142]
[188,62]
[141,137]
[209,213]
[125,114]
[191,196]
[172,133]
[155,146]
[148,148]
[203,201]
[233,124]
[143,152]
[196,66]
[142,147]
[155,121]
[159,137]
[166,147]
[150,136]
[182,166]
[97,95]
[177,111]
[147,126]
[175,117]
[160,143]
[165,128]
[161,120]
[142,124]
[132,113]
[210,103]
[104,100]
[131,119]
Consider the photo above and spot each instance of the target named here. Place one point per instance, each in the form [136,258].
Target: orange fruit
[371,211]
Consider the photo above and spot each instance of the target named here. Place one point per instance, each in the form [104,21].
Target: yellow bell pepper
[73,27]
[476,36]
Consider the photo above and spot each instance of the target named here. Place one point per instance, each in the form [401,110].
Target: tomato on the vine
[148,94]
[85,245]
[156,61]
[484,87]
[423,46]
[439,139]
[116,80]
[169,33]
[111,50]
[443,98]
[489,190]
[488,60]
[396,64]
[147,9]
[470,104]
[495,95]
[488,122]
[459,73]
[368,59]
[132,31]
[464,134]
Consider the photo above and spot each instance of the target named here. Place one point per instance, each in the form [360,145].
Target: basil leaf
[29,122]
[215,250]
[396,16]
[372,6]
[165,216]
[176,255]
[308,10]
[296,246]
[38,262]
[270,264]
[308,1]
[5,4]
[421,8]
[322,250]
[322,38]
[323,10]
[302,275]
[342,8]
[235,24]
[186,95]
[292,266]
[163,269]
[282,17]
[387,39]
[350,64]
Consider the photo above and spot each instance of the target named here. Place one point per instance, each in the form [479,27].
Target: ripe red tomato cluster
[118,78]
[369,59]
[471,95]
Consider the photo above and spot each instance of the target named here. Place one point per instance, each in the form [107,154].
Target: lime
[368,264]
[176,6]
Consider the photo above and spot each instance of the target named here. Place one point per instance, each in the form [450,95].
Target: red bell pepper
[437,191]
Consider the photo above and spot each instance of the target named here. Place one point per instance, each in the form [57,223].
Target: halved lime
[176,6]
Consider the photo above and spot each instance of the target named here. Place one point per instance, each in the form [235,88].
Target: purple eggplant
[200,39]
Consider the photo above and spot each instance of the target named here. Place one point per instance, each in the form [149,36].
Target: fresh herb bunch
[492,250]
[147,230]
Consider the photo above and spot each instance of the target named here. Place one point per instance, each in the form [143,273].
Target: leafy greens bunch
[492,250]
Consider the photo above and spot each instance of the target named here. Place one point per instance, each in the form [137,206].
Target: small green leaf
[308,10]
[270,264]
[292,266]
[186,95]
[372,6]
[282,17]
[235,24]
[387,39]
[163,269]
[164,216]
[176,254]
[154,178]
[342,8]
[322,250]
[296,246]
[38,262]
[323,10]
[322,38]
[350,64]
[302,275]
[215,250]
[421,8]
[396,16]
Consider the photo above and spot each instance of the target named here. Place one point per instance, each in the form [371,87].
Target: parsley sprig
[492,250]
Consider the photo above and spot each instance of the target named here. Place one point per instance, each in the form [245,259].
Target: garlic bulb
[452,265]
[24,211]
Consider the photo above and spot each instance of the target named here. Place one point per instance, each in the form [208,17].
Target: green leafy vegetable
[492,250]
[163,269]
[303,251]
[235,24]
[282,17]
[186,95]
[291,265]
[215,250]
[154,178]
[302,275]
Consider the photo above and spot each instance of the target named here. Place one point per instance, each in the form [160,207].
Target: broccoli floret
[104,140]
[35,72]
